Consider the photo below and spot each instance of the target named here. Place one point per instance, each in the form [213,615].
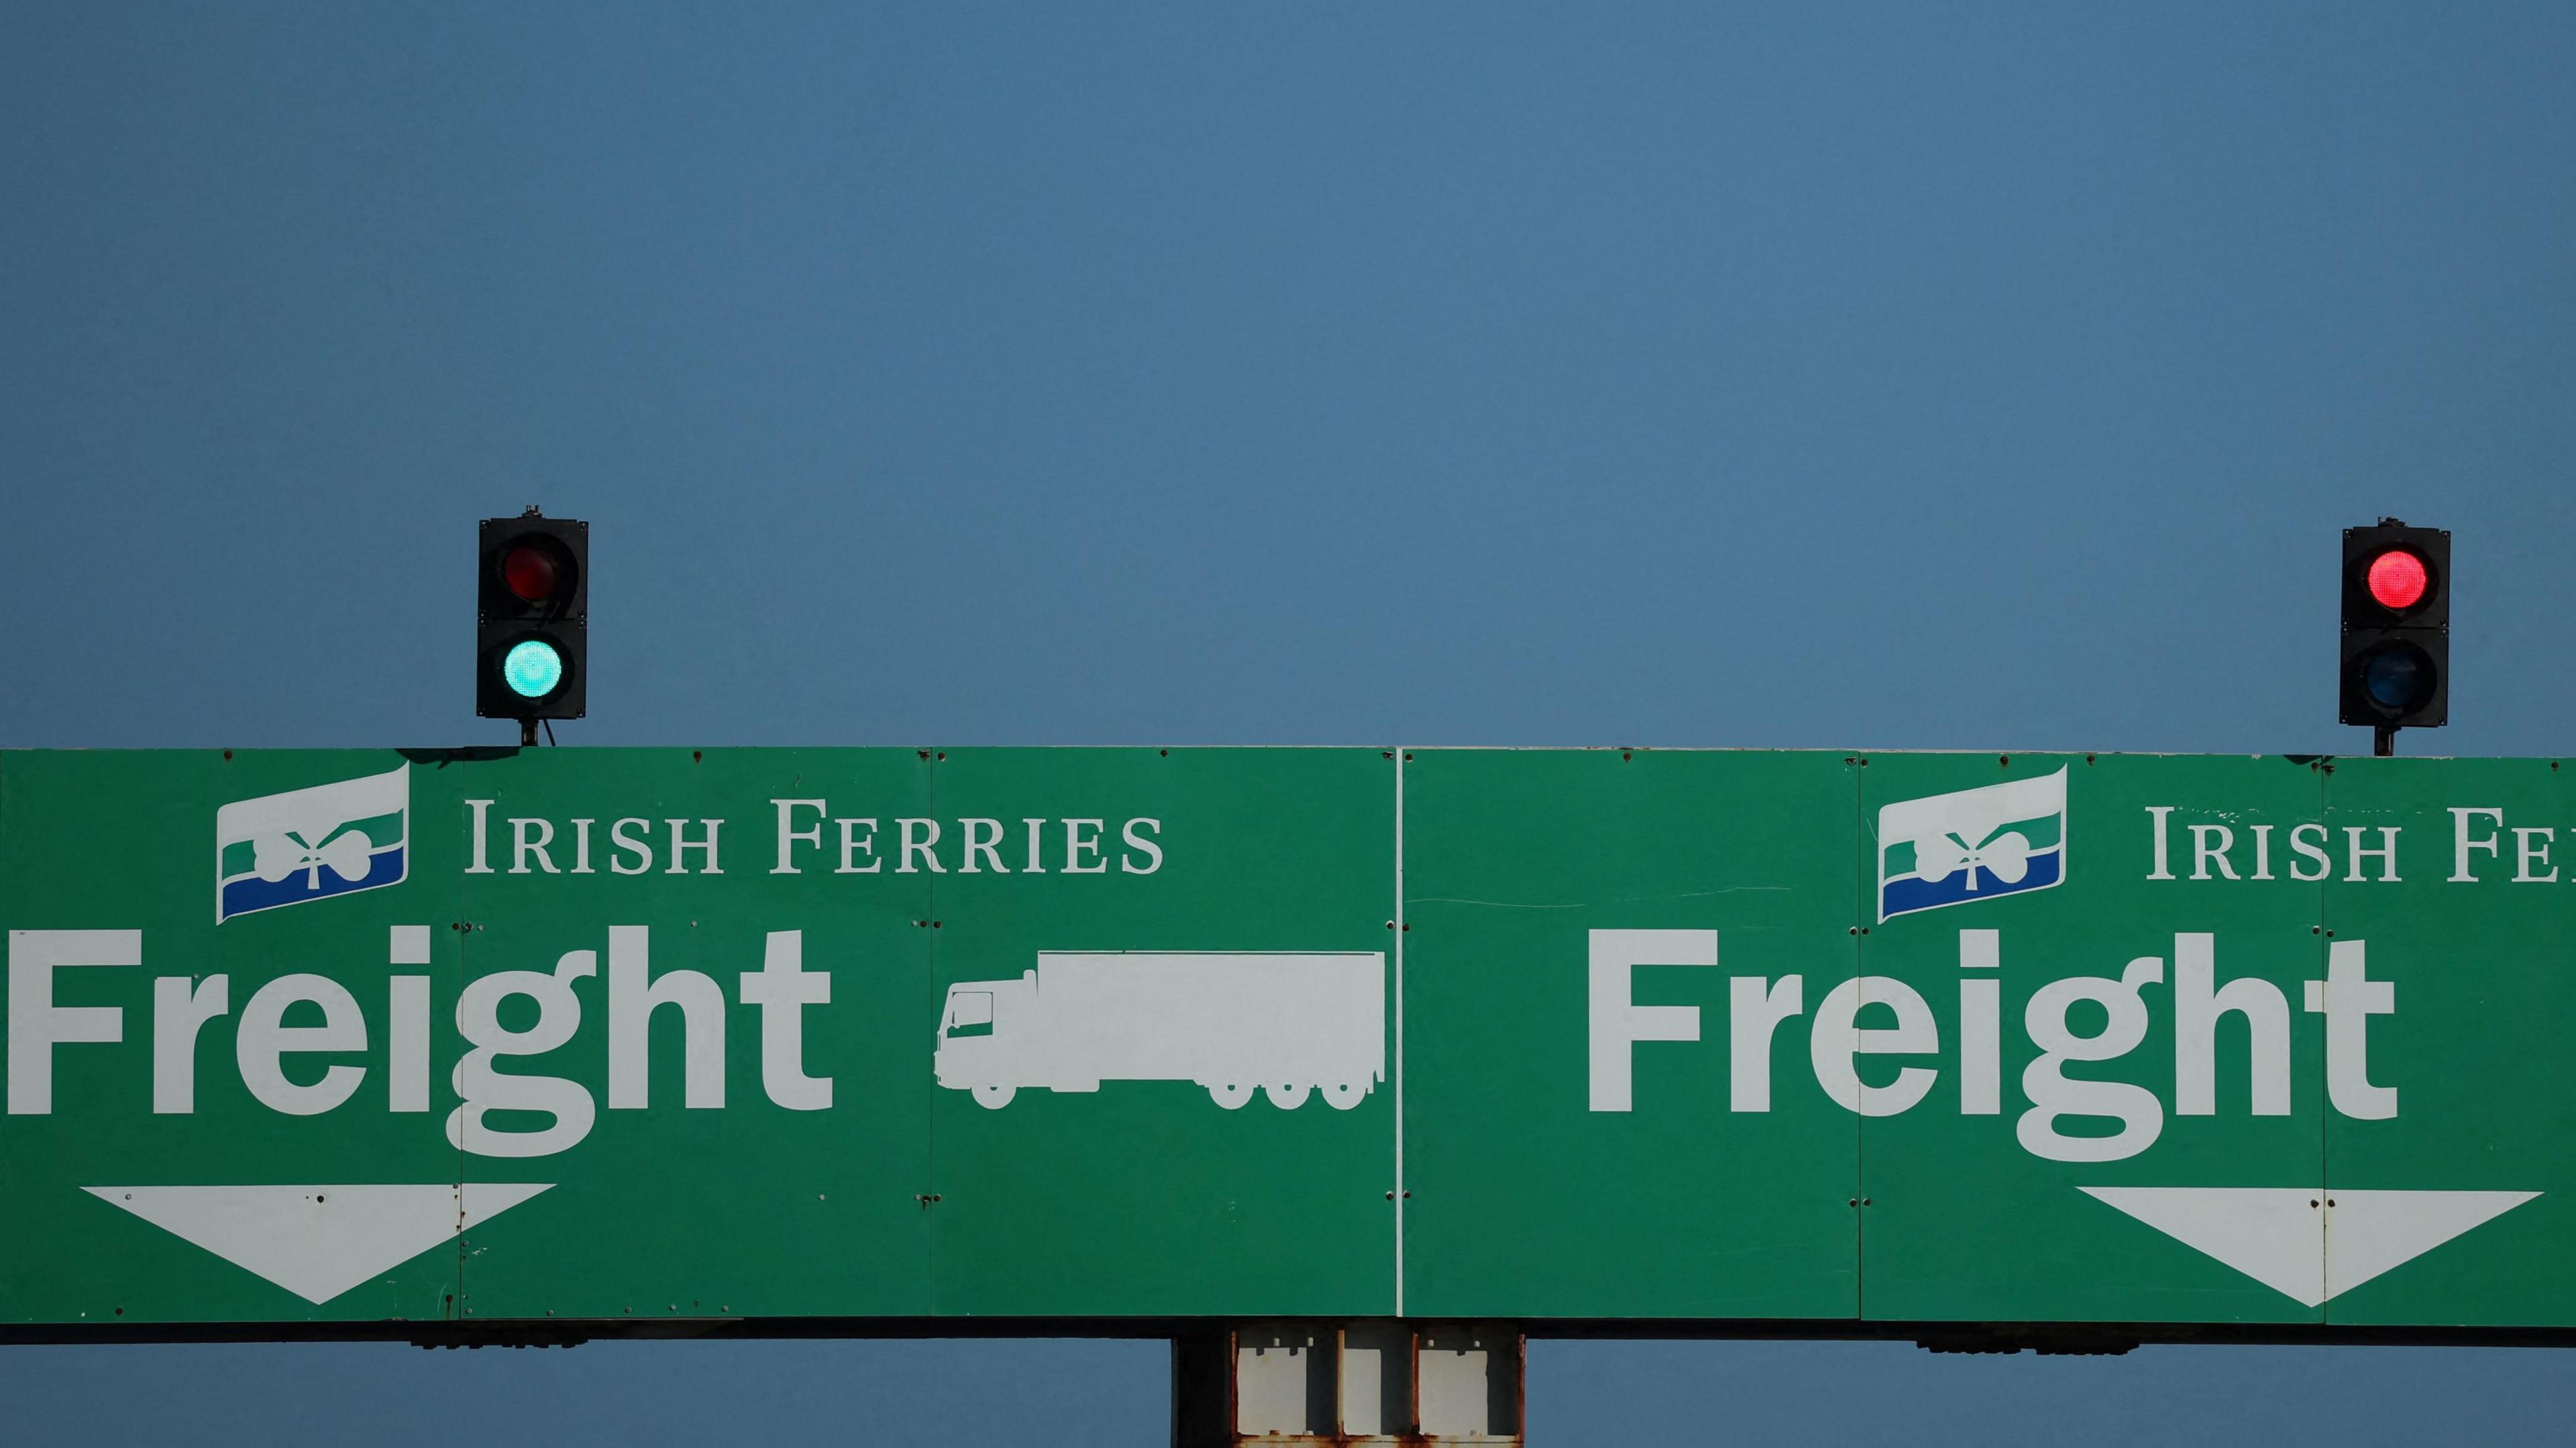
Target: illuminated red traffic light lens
[2397,579]
[534,573]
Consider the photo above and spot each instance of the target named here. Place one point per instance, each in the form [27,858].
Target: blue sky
[1890,376]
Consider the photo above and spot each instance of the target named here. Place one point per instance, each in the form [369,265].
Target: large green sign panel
[372,1038]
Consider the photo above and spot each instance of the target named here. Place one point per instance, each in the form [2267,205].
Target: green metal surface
[2484,973]
[1526,1200]
[747,1208]
[1243,1033]
[117,840]
[1965,1220]
[1146,1196]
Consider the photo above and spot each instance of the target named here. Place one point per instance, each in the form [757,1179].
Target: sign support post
[1369,1382]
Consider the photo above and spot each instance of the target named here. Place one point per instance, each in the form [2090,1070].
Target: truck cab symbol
[1228,1022]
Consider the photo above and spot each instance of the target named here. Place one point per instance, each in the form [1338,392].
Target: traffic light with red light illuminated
[532,620]
[2396,664]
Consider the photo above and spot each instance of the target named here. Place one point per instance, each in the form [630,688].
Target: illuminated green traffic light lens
[532,668]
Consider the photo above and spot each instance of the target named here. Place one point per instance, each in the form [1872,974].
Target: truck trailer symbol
[1227,1021]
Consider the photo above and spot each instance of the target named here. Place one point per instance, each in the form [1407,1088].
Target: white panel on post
[1469,1384]
[1278,1369]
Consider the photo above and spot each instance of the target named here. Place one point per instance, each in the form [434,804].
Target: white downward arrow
[2282,1238]
[319,1241]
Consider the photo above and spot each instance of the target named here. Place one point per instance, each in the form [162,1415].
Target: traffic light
[2396,667]
[532,620]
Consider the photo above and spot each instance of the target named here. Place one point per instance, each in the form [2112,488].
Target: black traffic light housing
[2395,668]
[532,586]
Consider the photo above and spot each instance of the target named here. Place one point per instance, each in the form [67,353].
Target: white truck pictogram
[1226,1021]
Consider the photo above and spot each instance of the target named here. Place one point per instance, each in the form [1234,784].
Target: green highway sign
[372,1039]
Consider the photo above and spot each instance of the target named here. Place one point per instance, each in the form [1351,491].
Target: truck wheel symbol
[1286,1095]
[1342,1096]
[1229,1097]
[994,1098]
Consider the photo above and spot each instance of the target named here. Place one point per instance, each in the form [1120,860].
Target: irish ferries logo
[311,844]
[1975,844]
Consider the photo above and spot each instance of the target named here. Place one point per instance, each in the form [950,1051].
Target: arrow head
[319,1241]
[2285,1239]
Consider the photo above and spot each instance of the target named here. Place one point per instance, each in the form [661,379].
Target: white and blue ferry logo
[312,844]
[1974,844]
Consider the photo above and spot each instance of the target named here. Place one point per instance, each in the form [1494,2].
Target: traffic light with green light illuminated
[532,619]
[2396,662]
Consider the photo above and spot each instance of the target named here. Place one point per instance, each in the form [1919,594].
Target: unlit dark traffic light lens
[2397,678]
[532,572]
[2397,580]
[532,668]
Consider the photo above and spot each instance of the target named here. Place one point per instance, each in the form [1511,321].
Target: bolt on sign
[622,1035]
